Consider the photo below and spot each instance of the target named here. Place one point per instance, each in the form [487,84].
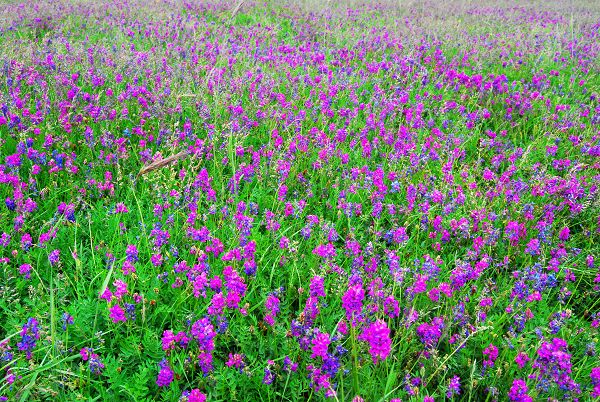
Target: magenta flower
[518,391]
[522,359]
[168,340]
[317,288]
[352,301]
[553,364]
[377,335]
[121,289]
[25,270]
[453,387]
[492,354]
[165,375]
[595,377]
[533,247]
[320,344]
[326,251]
[236,360]
[193,396]
[54,257]
[117,314]
[429,334]
[272,308]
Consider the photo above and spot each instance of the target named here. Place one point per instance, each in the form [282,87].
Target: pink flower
[320,345]
[522,359]
[165,375]
[352,301]
[564,234]
[377,335]
[518,391]
[117,314]
[492,353]
[196,396]
[121,289]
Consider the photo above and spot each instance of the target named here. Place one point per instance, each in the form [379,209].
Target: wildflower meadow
[299,200]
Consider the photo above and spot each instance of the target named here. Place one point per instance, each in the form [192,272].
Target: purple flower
[95,364]
[518,391]
[25,270]
[217,304]
[157,260]
[391,307]
[193,396]
[54,257]
[120,289]
[165,375]
[554,366]
[132,253]
[326,251]
[564,233]
[320,344]
[595,377]
[29,335]
[533,247]
[429,334]
[236,360]
[204,332]
[67,319]
[453,387]
[492,354]
[272,308]
[522,359]
[268,377]
[117,314]
[288,365]
[352,301]
[168,340]
[317,287]
[377,334]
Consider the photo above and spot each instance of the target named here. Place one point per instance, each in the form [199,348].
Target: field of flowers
[245,201]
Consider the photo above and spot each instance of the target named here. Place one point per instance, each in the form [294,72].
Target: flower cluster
[377,335]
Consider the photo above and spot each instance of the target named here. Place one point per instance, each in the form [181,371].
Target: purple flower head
[117,314]
[25,270]
[120,289]
[317,288]
[564,233]
[165,374]
[237,361]
[553,365]
[29,335]
[533,247]
[320,345]
[132,253]
[522,359]
[429,334]
[268,377]
[326,251]
[518,391]
[67,319]
[453,387]
[595,377]
[272,308]
[491,352]
[168,340]
[95,364]
[54,257]
[377,335]
[204,332]
[192,396]
[352,301]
